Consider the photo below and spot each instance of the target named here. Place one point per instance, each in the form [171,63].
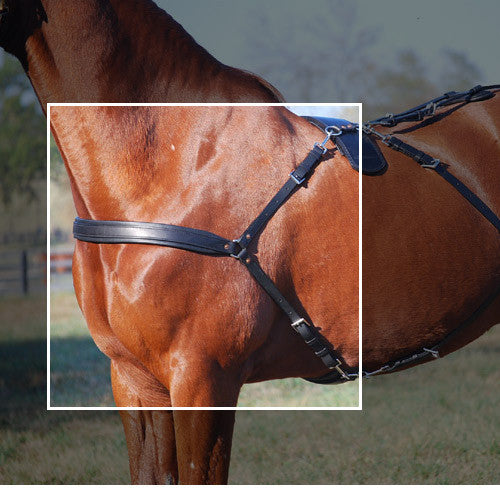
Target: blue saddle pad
[374,162]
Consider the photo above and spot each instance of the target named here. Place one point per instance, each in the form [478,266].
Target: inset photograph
[204,256]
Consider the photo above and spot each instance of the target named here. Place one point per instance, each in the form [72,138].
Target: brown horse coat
[97,51]
[200,326]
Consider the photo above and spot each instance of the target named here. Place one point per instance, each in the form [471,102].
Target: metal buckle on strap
[342,373]
[296,324]
[331,131]
[386,139]
[296,179]
[435,163]
[242,252]
[430,109]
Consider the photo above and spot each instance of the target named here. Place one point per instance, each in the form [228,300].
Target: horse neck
[139,163]
[114,51]
[126,162]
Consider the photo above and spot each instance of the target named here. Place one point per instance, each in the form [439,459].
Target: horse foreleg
[203,439]
[151,446]
[149,434]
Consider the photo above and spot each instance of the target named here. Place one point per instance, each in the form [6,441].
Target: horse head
[19,19]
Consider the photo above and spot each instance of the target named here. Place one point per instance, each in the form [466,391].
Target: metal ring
[331,128]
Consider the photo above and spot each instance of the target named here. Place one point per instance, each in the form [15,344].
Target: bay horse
[430,262]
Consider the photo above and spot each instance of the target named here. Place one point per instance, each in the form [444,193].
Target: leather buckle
[435,163]
[297,180]
[296,324]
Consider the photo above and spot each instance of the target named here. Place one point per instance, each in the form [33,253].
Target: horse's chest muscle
[150,299]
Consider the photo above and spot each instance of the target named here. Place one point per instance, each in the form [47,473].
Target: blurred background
[437,423]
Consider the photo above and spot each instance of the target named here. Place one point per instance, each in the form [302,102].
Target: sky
[347,112]
[225,27]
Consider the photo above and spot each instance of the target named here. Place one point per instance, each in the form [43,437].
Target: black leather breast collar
[204,242]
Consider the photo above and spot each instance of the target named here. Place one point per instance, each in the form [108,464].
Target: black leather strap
[473,199]
[427,161]
[427,109]
[308,333]
[297,177]
[151,233]
[415,154]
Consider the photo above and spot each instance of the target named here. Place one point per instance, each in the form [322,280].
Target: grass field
[80,373]
[434,424]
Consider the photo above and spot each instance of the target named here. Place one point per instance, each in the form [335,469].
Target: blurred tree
[459,72]
[310,63]
[22,134]
[317,56]
[403,85]
[410,82]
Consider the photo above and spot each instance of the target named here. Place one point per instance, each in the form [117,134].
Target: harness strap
[308,333]
[427,161]
[297,177]
[427,109]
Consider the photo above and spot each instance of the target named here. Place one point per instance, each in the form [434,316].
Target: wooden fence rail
[25,271]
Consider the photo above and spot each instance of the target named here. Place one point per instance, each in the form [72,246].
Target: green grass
[299,393]
[434,424]
[80,373]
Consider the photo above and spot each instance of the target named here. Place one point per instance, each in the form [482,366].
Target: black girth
[203,242]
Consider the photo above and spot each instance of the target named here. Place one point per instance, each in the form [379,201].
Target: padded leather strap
[347,143]
[151,233]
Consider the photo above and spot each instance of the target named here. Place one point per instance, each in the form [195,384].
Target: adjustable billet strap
[299,324]
[297,177]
